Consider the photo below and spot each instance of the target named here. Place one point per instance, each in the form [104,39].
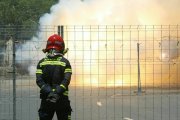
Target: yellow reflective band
[59,58]
[56,59]
[63,86]
[65,93]
[53,63]
[68,70]
[39,71]
[69,117]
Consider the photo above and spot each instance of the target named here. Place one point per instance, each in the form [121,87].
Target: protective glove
[53,97]
[46,89]
[59,89]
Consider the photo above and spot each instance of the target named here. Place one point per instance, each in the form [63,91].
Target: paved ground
[93,103]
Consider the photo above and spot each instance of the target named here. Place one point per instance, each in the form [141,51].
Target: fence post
[14,78]
[139,78]
[61,31]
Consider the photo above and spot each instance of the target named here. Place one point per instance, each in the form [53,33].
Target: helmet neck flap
[53,53]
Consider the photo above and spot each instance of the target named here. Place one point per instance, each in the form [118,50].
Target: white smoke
[169,49]
[27,55]
[107,12]
[112,12]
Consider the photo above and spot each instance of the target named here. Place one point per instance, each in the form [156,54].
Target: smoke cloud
[113,12]
[116,12]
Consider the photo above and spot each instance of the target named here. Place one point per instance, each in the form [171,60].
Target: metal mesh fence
[120,72]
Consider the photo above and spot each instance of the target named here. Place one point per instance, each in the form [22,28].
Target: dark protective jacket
[54,72]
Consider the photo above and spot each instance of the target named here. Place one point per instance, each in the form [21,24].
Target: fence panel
[120,72]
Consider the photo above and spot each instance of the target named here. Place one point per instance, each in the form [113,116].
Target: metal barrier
[120,72]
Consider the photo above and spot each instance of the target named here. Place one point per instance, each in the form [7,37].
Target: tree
[23,12]
[17,15]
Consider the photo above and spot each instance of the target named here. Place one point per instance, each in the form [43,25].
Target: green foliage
[18,16]
[23,12]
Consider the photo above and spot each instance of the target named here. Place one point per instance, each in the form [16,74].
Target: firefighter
[53,77]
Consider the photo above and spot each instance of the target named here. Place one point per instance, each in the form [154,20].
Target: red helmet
[55,42]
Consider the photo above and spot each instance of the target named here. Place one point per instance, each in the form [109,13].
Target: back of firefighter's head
[55,42]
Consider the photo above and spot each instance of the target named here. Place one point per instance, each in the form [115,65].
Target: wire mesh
[109,81]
